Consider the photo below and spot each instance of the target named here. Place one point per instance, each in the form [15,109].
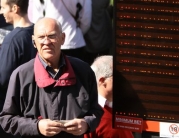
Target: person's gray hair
[103,67]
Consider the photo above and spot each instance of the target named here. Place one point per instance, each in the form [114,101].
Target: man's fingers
[74,130]
[77,132]
[49,128]
[51,133]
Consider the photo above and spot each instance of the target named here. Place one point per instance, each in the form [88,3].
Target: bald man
[52,95]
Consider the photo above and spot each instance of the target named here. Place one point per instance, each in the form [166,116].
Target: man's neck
[105,94]
[22,22]
[54,63]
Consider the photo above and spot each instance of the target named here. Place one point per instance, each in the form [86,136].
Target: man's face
[48,40]
[109,86]
[6,10]
[105,87]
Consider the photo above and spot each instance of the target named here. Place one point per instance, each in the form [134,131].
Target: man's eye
[41,37]
[51,36]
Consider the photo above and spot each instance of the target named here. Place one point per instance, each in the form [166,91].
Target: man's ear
[63,38]
[101,81]
[15,8]
[33,41]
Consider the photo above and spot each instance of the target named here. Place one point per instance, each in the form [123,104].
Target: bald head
[47,22]
[48,39]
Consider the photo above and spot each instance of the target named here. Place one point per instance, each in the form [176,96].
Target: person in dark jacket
[49,89]
[17,47]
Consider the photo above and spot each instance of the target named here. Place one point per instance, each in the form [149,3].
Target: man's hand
[76,126]
[49,127]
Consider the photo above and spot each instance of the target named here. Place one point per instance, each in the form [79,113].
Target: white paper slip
[169,130]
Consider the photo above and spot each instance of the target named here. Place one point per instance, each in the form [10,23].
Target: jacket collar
[43,79]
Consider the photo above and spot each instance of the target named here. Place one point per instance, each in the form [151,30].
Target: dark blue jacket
[32,93]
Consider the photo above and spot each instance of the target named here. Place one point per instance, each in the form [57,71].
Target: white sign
[169,130]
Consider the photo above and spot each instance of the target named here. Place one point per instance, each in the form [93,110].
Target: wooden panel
[146,60]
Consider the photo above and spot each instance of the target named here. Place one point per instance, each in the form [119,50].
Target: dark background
[146,60]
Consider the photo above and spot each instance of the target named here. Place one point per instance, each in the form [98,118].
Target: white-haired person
[103,68]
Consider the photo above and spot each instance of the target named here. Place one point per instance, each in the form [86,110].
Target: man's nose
[46,40]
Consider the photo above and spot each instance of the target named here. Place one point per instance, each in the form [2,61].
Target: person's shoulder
[82,70]
[79,65]
[24,72]
[26,67]
[78,62]
[23,30]
[19,32]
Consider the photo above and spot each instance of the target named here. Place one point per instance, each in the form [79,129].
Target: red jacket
[105,130]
